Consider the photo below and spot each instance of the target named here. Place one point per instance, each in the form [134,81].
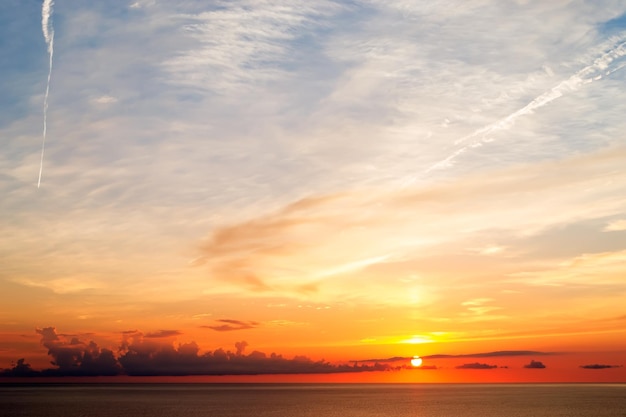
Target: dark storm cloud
[535,365]
[599,366]
[227,325]
[476,365]
[162,333]
[140,354]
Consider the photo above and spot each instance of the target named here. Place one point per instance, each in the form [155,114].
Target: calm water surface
[318,400]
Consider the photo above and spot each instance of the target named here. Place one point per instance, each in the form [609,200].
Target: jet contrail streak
[48,35]
[593,72]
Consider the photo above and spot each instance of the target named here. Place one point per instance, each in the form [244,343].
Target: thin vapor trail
[593,72]
[48,35]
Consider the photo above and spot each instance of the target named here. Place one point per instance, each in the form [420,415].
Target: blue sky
[287,150]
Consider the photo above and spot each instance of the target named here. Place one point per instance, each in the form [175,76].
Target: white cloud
[105,99]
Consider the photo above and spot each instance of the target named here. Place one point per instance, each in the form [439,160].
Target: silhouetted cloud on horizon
[535,365]
[144,355]
[476,365]
[599,366]
[495,354]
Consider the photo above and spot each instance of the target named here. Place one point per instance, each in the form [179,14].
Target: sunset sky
[334,182]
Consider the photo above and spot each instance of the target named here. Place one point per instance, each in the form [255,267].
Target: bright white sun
[416,361]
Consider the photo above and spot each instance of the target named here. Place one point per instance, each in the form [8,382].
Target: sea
[314,400]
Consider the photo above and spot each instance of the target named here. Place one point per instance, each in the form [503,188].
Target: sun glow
[416,361]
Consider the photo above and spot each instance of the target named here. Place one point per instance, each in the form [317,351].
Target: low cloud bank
[476,365]
[599,366]
[144,355]
[495,354]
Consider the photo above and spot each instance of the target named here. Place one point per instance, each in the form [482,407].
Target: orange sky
[331,182]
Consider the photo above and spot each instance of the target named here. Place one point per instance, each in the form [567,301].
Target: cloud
[241,346]
[535,365]
[616,226]
[599,366]
[140,354]
[600,67]
[476,365]
[496,354]
[143,357]
[20,369]
[230,325]
[105,99]
[64,285]
[162,334]
[74,357]
[588,269]
[244,45]
[322,237]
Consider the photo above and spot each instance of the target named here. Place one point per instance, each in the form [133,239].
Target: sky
[322,189]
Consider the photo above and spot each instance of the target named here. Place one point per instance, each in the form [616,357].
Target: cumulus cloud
[75,357]
[535,365]
[599,366]
[476,365]
[140,354]
[241,346]
[19,369]
[227,325]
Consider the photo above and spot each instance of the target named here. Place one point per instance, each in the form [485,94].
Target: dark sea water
[315,400]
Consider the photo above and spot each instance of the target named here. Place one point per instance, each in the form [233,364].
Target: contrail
[593,72]
[48,35]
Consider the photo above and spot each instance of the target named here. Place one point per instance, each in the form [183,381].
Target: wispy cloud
[309,238]
[607,63]
[228,325]
[244,44]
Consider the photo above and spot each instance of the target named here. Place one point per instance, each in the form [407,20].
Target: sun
[416,361]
